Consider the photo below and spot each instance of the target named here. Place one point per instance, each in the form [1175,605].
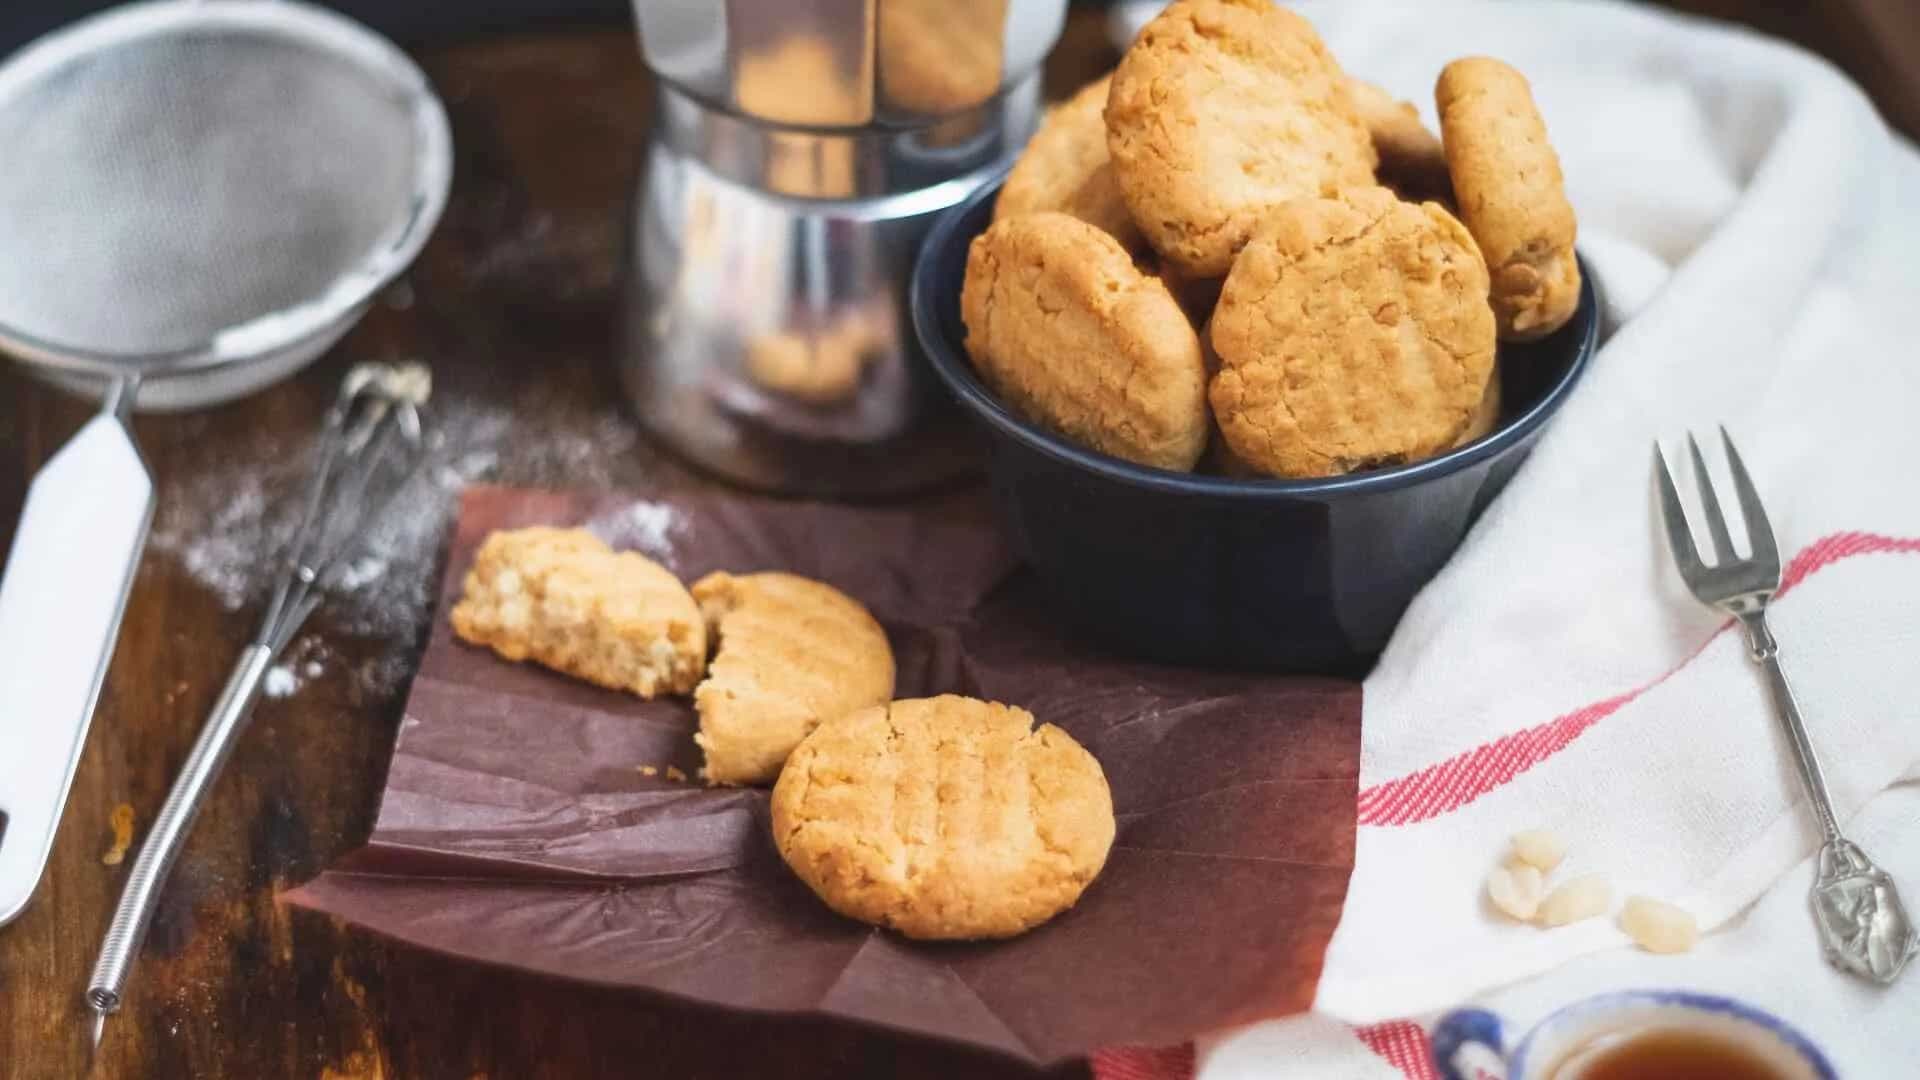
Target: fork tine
[1716,521]
[1679,537]
[1759,531]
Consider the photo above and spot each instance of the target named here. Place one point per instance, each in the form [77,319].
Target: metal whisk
[372,434]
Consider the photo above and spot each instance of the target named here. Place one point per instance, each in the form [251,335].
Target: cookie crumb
[122,821]
[674,774]
[649,770]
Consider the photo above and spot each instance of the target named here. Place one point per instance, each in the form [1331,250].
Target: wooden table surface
[511,303]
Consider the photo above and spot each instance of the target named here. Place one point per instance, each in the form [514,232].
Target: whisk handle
[170,827]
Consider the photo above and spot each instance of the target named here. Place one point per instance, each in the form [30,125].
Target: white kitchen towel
[1756,231]
[1867,1032]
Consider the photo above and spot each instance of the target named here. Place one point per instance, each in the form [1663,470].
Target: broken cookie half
[563,599]
[791,654]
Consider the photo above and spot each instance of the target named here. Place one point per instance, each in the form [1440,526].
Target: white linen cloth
[1756,231]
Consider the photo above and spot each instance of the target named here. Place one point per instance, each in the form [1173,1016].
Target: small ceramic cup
[1468,1044]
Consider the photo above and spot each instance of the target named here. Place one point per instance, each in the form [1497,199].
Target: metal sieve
[199,197]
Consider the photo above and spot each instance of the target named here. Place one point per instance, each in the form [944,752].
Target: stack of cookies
[1231,254]
[940,818]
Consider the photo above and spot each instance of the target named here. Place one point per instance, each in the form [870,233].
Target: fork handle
[1765,651]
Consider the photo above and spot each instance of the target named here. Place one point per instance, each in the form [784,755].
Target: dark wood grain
[512,305]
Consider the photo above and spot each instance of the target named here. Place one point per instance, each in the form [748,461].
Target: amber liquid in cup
[1666,1054]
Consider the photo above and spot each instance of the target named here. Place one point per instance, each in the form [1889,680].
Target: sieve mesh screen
[158,191]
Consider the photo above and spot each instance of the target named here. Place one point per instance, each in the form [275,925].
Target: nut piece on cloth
[1219,110]
[1507,180]
[792,653]
[1582,898]
[1352,332]
[1539,848]
[1064,328]
[1657,926]
[1516,891]
[944,818]
[564,599]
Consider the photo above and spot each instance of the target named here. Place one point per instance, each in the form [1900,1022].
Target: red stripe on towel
[1459,780]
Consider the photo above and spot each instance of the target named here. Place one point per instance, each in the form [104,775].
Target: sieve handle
[64,588]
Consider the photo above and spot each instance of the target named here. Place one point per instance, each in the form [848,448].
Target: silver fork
[1864,927]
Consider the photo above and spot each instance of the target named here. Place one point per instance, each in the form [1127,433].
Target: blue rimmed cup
[1276,575]
[1470,1044]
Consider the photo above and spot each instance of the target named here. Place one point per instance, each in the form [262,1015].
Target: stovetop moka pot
[799,151]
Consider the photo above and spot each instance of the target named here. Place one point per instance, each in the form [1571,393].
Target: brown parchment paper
[518,828]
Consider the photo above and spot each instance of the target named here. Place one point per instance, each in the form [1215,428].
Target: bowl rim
[956,371]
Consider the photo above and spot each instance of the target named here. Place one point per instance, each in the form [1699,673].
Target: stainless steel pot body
[800,151]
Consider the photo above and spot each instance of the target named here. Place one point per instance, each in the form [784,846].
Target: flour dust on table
[227,523]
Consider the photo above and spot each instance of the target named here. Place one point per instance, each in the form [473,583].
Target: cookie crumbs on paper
[122,822]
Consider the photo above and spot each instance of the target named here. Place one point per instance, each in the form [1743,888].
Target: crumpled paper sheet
[520,825]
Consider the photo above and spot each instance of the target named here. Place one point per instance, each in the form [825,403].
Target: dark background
[408,21]
[1876,41]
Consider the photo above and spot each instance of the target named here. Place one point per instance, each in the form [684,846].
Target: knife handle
[64,589]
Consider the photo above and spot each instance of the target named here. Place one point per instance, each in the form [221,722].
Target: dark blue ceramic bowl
[1276,575]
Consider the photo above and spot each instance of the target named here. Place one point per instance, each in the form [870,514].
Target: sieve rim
[336,36]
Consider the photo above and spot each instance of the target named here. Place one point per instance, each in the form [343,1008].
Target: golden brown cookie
[1221,109]
[1070,334]
[944,818]
[1065,168]
[1487,416]
[1412,160]
[792,652]
[1220,460]
[937,56]
[1353,332]
[1507,180]
[562,598]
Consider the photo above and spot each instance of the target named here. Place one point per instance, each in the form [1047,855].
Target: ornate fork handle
[1765,651]
[1864,927]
